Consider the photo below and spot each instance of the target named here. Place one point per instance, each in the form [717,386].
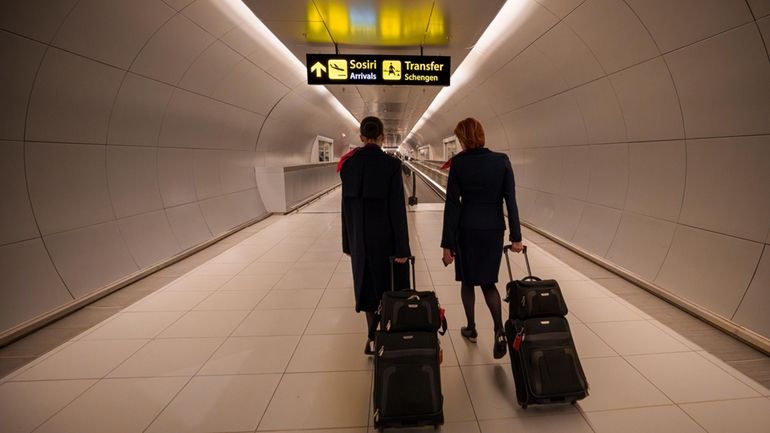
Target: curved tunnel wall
[638,131]
[129,132]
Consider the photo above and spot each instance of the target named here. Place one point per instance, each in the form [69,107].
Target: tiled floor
[261,336]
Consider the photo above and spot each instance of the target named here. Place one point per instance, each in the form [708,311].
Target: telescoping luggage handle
[413,284]
[529,276]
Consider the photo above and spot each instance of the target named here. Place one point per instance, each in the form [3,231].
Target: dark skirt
[478,256]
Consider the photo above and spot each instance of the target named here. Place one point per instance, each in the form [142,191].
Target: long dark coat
[479,181]
[374,226]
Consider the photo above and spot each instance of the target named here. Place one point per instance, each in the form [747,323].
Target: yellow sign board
[391,69]
[338,69]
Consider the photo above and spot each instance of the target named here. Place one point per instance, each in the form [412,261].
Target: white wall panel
[192,121]
[210,69]
[558,121]
[601,112]
[764,28]
[250,87]
[138,111]
[149,238]
[188,225]
[760,8]
[236,171]
[609,175]
[597,229]
[16,220]
[72,99]
[728,180]
[37,19]
[91,257]
[240,129]
[649,103]
[20,58]
[172,50]
[657,179]
[570,55]
[227,211]
[206,171]
[722,83]
[30,286]
[613,32]
[111,31]
[561,7]
[525,199]
[709,269]
[641,244]
[543,209]
[545,169]
[211,15]
[566,216]
[752,312]
[575,172]
[674,24]
[519,127]
[68,185]
[176,177]
[528,78]
[133,180]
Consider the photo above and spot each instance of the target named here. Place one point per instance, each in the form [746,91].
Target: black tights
[491,296]
[371,316]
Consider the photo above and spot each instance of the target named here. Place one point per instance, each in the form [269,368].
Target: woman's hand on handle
[517,247]
[449,257]
[401,260]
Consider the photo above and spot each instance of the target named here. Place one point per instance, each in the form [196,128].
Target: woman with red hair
[474,224]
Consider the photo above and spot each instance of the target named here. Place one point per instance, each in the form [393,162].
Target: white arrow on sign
[318,68]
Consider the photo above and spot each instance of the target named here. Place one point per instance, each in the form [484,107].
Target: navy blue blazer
[479,181]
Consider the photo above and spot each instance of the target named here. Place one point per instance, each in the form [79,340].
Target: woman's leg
[492,297]
[469,300]
[371,316]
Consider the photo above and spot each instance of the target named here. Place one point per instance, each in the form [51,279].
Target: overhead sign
[359,69]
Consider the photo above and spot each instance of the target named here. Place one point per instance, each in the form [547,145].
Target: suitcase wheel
[524,406]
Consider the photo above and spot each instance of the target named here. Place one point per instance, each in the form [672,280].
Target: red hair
[470,133]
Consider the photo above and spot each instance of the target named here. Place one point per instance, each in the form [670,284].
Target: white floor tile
[290,299]
[304,279]
[563,423]
[732,416]
[341,280]
[588,344]
[476,353]
[115,405]
[170,301]
[443,277]
[601,310]
[583,289]
[319,400]
[455,315]
[337,321]
[225,269]
[338,298]
[688,377]
[218,404]
[83,360]
[266,268]
[170,357]
[735,373]
[637,337]
[229,301]
[251,355]
[615,384]
[201,324]
[197,283]
[658,419]
[448,427]
[26,405]
[274,322]
[248,283]
[457,402]
[134,325]
[341,352]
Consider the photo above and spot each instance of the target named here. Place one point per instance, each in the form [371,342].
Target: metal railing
[430,176]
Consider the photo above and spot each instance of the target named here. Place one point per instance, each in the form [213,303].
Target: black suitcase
[531,296]
[410,310]
[545,363]
[407,380]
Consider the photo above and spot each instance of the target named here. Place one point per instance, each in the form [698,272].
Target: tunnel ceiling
[441,27]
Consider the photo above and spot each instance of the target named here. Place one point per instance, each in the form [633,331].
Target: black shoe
[469,333]
[369,348]
[500,345]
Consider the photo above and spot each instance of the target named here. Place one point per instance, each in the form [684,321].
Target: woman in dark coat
[479,180]
[374,226]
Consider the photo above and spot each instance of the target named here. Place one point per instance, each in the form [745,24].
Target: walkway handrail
[432,184]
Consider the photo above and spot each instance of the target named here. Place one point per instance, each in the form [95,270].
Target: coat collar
[476,151]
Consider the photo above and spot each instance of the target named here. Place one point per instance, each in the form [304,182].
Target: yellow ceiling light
[378,23]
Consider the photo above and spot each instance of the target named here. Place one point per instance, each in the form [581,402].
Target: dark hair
[470,133]
[372,127]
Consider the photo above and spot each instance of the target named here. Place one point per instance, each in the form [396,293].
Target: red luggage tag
[517,341]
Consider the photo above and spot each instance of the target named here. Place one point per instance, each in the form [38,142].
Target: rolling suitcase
[410,310]
[407,380]
[531,296]
[545,363]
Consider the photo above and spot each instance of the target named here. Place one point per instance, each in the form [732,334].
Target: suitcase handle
[409,260]
[526,259]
